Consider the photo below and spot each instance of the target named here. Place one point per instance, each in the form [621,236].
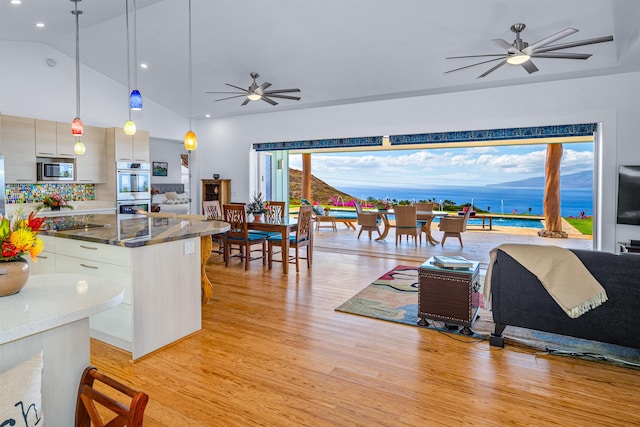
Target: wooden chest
[447,295]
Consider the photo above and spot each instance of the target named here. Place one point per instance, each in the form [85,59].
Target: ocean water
[573,201]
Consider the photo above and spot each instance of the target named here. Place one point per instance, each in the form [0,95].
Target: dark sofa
[519,299]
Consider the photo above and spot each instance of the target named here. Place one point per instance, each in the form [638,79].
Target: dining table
[285,226]
[427,216]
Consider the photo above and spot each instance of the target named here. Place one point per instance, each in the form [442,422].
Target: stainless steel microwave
[55,171]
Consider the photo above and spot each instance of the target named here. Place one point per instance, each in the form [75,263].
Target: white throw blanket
[560,271]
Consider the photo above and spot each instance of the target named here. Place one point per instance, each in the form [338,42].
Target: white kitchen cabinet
[130,148]
[157,308]
[54,139]
[18,146]
[46,261]
[91,167]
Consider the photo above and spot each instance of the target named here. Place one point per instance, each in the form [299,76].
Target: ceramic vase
[13,276]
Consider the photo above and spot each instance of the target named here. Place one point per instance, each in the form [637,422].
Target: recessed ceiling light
[143,65]
[16,1]
[207,115]
[40,24]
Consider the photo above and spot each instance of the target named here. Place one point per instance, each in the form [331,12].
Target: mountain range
[574,180]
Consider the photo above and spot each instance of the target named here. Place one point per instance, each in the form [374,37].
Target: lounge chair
[320,216]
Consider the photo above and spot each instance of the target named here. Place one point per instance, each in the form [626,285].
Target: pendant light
[129,126]
[135,99]
[77,128]
[190,140]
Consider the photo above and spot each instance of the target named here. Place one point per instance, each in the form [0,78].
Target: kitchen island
[51,315]
[158,262]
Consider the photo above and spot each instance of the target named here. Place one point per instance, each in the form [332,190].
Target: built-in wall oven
[133,181]
[131,208]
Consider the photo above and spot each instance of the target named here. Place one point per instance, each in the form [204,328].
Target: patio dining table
[427,216]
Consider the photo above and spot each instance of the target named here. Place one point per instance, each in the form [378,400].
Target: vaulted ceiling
[335,51]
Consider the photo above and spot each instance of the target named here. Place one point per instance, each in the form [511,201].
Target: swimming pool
[497,221]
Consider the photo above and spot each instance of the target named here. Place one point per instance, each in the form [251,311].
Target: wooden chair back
[276,209]
[236,216]
[211,209]
[303,230]
[126,414]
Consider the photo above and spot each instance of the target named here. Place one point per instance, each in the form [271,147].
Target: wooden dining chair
[407,223]
[301,239]
[368,221]
[128,413]
[239,235]
[212,210]
[276,209]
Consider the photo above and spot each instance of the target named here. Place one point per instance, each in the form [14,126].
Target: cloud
[464,166]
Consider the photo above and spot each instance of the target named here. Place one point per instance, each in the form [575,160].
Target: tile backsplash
[34,193]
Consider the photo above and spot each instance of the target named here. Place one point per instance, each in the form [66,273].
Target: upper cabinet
[131,148]
[91,167]
[17,145]
[54,139]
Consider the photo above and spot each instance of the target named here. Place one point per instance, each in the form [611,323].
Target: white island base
[51,314]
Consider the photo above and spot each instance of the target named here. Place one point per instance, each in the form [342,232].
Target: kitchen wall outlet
[189,247]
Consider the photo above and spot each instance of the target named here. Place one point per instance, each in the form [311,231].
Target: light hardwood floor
[273,352]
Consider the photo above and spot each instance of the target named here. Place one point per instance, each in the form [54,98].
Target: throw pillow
[171,195]
[158,198]
[318,210]
[20,395]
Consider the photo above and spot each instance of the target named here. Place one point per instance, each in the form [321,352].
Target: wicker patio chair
[407,224]
[454,226]
[368,221]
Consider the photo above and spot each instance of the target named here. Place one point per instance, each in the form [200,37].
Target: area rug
[394,297]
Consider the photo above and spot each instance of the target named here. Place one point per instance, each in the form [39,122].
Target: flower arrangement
[383,205]
[256,205]
[19,236]
[55,202]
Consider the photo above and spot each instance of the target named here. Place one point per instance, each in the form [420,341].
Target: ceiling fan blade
[530,67]
[230,97]
[264,85]
[473,65]
[562,55]
[295,98]
[505,45]
[238,87]
[548,40]
[225,92]
[474,56]
[493,69]
[274,91]
[246,101]
[270,101]
[575,44]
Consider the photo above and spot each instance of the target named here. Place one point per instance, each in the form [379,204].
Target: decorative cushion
[157,199]
[20,395]
[171,195]
[318,210]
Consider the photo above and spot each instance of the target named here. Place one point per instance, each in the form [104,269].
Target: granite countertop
[128,231]
[48,301]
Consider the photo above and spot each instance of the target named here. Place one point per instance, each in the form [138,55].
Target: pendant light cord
[77,13]
[190,76]
[128,58]
[135,44]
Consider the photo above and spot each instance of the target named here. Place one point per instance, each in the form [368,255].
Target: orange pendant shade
[190,141]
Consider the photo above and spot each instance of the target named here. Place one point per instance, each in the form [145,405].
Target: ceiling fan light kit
[257,92]
[521,53]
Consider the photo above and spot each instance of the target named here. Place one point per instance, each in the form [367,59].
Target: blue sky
[473,166]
